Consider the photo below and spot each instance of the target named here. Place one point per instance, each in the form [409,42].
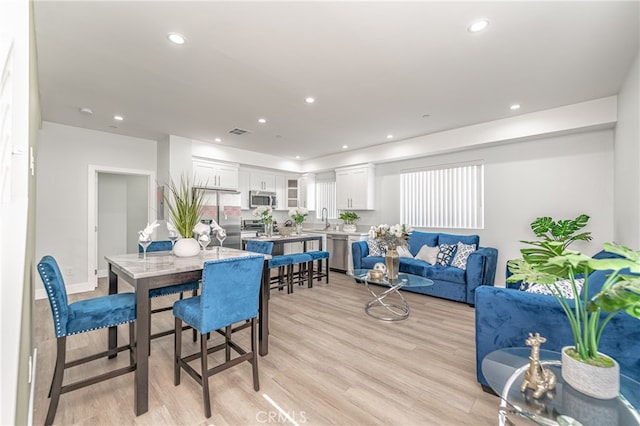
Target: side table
[504,370]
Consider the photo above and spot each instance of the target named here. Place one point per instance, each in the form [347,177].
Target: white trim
[92,212]
[32,389]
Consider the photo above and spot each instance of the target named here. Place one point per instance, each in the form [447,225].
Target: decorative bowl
[285,231]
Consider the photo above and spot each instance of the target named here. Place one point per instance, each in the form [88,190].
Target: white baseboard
[32,380]
[41,293]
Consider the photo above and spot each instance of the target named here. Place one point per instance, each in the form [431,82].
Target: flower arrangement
[390,237]
[298,214]
[264,213]
[185,205]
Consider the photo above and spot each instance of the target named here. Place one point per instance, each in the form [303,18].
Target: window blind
[326,197]
[451,197]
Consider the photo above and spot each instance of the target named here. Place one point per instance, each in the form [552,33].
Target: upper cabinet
[355,188]
[243,187]
[262,181]
[210,174]
[307,191]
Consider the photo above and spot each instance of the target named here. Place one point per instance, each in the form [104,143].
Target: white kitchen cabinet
[281,192]
[352,239]
[307,191]
[355,188]
[243,187]
[215,175]
[262,181]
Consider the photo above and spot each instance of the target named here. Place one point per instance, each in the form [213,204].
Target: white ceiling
[375,68]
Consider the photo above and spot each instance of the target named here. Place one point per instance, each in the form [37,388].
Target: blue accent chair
[165,245]
[80,317]
[230,293]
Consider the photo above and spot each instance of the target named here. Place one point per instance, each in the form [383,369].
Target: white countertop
[334,232]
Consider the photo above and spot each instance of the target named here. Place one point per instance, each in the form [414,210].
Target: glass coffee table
[504,370]
[389,310]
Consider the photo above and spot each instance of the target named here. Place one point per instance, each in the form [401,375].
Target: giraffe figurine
[537,377]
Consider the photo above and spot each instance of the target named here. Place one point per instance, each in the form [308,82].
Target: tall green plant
[550,261]
[185,205]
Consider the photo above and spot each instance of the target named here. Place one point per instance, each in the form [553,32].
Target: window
[444,197]
[326,197]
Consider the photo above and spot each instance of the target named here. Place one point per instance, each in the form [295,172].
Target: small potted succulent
[550,263]
[350,218]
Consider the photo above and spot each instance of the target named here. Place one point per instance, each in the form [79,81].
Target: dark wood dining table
[162,269]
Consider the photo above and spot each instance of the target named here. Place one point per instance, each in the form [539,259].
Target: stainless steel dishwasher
[338,251]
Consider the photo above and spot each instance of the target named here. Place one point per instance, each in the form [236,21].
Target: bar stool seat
[319,256]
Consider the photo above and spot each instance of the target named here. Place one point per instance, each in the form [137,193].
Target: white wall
[561,177]
[627,158]
[64,156]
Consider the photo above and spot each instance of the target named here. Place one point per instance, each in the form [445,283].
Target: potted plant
[298,214]
[265,215]
[185,205]
[350,218]
[550,263]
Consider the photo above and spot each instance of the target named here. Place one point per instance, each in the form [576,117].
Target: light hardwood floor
[328,363]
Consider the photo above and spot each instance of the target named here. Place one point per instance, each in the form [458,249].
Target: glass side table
[382,306]
[504,370]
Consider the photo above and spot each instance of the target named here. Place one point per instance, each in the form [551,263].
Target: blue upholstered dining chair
[80,317]
[230,294]
[165,245]
[264,247]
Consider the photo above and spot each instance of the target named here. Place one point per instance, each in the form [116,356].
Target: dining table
[162,269]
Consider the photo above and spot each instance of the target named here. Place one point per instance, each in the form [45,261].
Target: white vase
[349,227]
[596,382]
[186,247]
[298,228]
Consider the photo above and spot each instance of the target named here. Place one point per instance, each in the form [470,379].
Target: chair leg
[177,339]
[149,349]
[254,357]
[132,344]
[195,333]
[56,383]
[327,270]
[205,376]
[227,347]
[310,274]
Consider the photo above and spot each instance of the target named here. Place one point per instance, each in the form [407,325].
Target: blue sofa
[448,282]
[505,316]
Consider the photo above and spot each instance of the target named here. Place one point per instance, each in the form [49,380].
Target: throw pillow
[564,286]
[404,252]
[374,248]
[445,253]
[462,254]
[428,254]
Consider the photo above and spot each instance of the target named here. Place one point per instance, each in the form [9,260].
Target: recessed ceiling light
[118,117]
[176,38]
[389,136]
[478,26]
[262,120]
[309,100]
[297,157]
[217,140]
[88,111]
[345,146]
[514,106]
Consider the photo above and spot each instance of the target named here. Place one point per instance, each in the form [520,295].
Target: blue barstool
[81,317]
[230,293]
[302,260]
[281,280]
[165,245]
[319,256]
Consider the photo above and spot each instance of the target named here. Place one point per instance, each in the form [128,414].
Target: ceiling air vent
[238,131]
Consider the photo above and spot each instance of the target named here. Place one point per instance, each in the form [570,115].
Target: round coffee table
[382,307]
[504,370]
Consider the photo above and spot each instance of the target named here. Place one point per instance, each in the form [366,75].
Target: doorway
[120,204]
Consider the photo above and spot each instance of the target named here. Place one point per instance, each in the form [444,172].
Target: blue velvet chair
[264,247]
[165,245]
[80,317]
[230,294]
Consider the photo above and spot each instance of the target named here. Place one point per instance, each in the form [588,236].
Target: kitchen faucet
[327,225]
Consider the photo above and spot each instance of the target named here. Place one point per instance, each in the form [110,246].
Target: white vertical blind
[450,197]
[326,197]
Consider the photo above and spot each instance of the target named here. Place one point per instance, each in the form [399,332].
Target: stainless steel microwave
[262,198]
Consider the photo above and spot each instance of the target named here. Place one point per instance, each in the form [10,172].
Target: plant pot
[186,247]
[349,227]
[591,380]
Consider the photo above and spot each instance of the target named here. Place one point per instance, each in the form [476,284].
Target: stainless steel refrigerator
[224,208]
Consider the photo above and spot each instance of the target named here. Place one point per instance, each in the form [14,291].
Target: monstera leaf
[624,295]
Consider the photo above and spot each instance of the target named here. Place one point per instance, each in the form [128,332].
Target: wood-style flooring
[328,364]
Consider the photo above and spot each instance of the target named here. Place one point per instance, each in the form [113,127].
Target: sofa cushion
[428,254]
[369,261]
[445,254]
[453,239]
[414,266]
[417,239]
[446,273]
[374,248]
[462,254]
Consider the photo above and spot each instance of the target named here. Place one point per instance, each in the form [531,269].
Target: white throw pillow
[404,252]
[462,254]
[428,254]
[564,286]
[374,248]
